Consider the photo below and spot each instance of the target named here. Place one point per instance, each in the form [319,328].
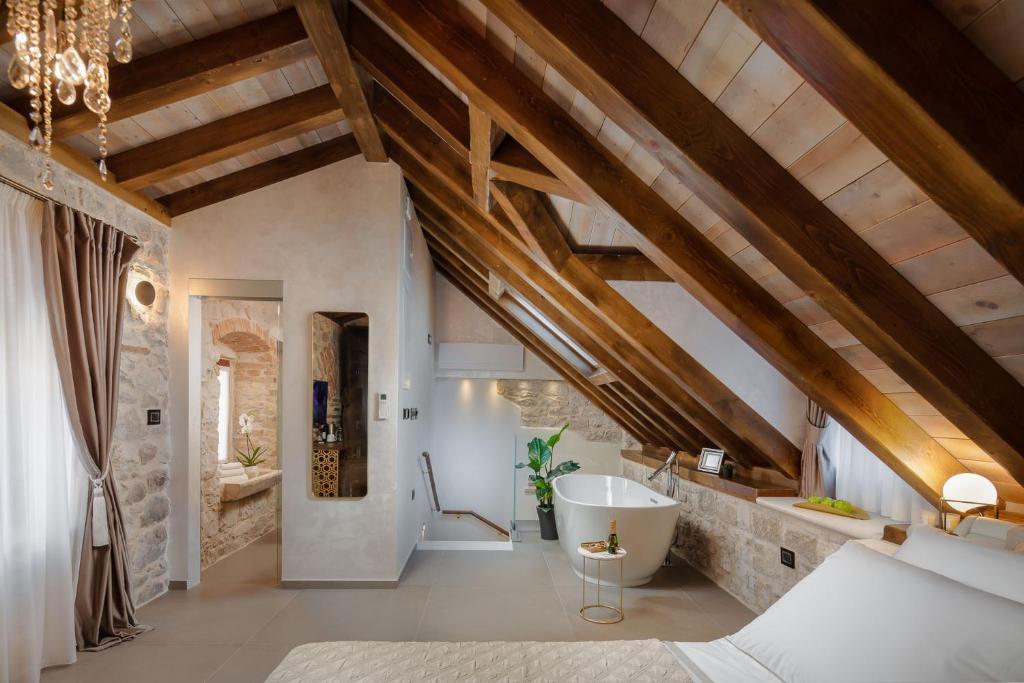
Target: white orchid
[253,455]
[246,423]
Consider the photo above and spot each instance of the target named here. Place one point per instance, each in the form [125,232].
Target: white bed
[938,609]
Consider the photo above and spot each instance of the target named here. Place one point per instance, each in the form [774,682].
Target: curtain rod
[21,188]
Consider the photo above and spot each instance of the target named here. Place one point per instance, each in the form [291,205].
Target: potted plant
[252,456]
[541,453]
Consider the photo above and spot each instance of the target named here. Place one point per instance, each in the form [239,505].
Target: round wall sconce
[145,293]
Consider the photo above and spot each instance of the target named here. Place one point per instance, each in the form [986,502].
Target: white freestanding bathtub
[585,504]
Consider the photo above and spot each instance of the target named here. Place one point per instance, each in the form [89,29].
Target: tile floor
[237,625]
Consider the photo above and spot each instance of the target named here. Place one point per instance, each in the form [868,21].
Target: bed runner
[365,661]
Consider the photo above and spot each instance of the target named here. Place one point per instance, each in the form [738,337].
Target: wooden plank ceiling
[550,147]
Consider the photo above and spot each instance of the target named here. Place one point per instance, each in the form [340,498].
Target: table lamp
[968,491]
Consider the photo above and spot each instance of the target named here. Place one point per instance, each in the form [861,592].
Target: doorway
[235,378]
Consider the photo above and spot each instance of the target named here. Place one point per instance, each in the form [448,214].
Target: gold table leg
[619,611]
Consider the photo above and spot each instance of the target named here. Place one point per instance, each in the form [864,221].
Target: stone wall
[140,452]
[550,403]
[735,543]
[244,334]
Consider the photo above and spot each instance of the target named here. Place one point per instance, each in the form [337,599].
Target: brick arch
[242,335]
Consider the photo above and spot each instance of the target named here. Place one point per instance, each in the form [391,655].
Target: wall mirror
[340,401]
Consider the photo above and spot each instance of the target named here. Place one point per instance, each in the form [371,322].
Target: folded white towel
[230,466]
[234,480]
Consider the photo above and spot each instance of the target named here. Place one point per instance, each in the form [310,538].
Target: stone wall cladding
[243,332]
[552,403]
[735,543]
[140,453]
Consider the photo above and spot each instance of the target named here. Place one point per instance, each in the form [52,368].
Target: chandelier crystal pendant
[54,57]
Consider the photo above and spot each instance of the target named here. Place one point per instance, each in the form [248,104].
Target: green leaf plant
[540,454]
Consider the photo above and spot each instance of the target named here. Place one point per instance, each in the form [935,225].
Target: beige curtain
[85,269]
[811,480]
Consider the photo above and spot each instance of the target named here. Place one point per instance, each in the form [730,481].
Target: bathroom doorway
[235,354]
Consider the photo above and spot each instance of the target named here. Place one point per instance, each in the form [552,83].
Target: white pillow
[997,531]
[863,616]
[993,570]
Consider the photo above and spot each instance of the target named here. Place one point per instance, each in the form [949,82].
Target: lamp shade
[967,491]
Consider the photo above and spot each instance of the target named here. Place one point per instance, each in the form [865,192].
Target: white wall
[333,237]
[458,319]
[724,354]
[417,371]
[473,447]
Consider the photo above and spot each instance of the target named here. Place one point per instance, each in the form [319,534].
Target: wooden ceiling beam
[538,230]
[183,71]
[324,24]
[260,175]
[225,138]
[628,267]
[513,163]
[669,372]
[921,92]
[513,263]
[409,81]
[735,425]
[632,402]
[562,145]
[15,124]
[741,182]
[552,341]
[476,249]
[437,106]
[526,339]
[482,138]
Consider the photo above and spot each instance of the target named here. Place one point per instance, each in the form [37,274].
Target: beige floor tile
[560,569]
[237,625]
[461,613]
[423,568]
[352,614]
[721,607]
[530,542]
[495,568]
[649,613]
[251,663]
[140,661]
[256,563]
[213,614]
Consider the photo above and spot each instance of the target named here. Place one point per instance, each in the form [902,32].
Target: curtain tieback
[100,523]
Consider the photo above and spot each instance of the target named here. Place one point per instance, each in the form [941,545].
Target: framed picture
[711,460]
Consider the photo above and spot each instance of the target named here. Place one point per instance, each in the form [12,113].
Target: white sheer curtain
[864,480]
[42,485]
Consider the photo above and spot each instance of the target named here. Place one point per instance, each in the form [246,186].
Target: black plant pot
[548,530]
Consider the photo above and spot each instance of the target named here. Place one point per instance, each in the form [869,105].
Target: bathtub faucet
[668,463]
[670,491]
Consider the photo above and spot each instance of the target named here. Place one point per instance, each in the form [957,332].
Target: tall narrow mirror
[340,402]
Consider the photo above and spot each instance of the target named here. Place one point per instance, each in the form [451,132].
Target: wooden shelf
[747,489]
[741,487]
[260,482]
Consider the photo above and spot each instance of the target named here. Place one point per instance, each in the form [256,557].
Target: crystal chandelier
[55,57]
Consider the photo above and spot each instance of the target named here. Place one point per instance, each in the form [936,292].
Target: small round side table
[601,558]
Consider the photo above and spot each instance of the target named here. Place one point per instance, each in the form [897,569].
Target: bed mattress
[616,660]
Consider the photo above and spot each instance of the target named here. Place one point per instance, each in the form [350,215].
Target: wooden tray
[856,514]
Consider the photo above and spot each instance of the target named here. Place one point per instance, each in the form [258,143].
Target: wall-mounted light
[141,292]
[144,293]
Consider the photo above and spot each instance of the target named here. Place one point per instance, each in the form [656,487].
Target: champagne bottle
[613,540]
